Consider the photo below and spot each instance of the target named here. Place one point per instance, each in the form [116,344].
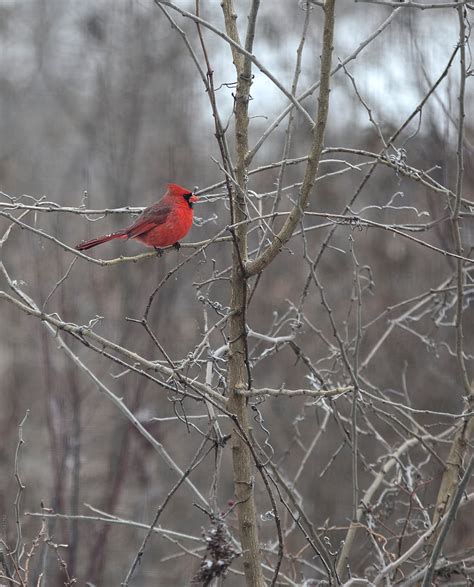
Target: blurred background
[100,104]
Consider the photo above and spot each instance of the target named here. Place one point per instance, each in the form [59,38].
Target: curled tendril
[398,159]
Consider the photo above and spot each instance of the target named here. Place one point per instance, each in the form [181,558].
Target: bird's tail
[101,239]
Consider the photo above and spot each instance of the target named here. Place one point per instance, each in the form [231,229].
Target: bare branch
[257,265]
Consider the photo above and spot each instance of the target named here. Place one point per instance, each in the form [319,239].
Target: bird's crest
[176,190]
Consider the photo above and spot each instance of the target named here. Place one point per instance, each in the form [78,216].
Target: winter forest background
[358,335]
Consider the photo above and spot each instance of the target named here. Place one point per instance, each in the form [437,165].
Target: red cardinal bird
[161,225]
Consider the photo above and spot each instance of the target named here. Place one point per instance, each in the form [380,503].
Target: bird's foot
[177,246]
[159,251]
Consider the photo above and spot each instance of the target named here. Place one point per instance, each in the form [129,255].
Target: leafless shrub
[308,359]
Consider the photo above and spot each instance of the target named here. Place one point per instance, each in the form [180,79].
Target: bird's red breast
[166,222]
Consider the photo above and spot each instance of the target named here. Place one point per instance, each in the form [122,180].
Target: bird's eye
[187,196]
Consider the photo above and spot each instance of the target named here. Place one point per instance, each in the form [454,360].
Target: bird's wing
[149,219]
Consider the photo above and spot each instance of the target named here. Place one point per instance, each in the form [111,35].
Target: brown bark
[238,375]
[238,368]
[453,470]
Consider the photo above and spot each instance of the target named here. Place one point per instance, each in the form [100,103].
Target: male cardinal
[161,225]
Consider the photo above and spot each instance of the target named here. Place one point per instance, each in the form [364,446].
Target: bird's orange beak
[193,198]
